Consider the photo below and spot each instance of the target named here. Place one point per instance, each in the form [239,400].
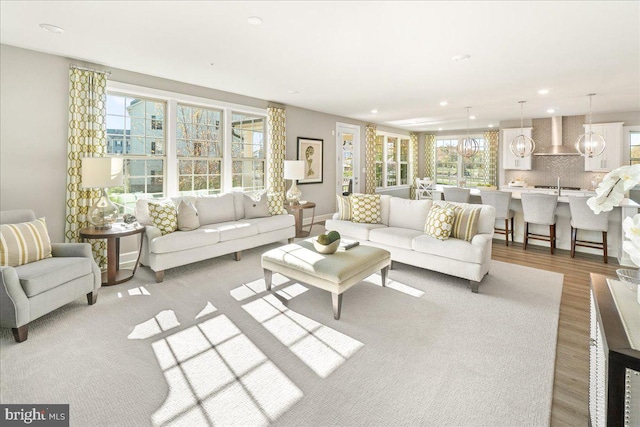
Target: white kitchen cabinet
[611,157]
[510,160]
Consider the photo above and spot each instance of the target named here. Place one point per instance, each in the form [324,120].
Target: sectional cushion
[164,217]
[394,236]
[408,213]
[256,205]
[182,240]
[233,230]
[273,223]
[356,230]
[344,208]
[216,209]
[187,216]
[457,249]
[365,208]
[24,243]
[439,222]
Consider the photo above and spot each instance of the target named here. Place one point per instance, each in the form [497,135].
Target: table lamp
[103,173]
[294,170]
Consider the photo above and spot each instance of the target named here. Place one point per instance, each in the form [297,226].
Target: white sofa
[402,233]
[223,230]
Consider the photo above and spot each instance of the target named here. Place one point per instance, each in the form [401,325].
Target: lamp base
[103,213]
[293,195]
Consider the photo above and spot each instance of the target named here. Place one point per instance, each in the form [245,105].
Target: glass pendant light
[522,145]
[590,144]
[467,147]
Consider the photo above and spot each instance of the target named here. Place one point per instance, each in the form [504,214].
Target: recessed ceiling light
[490,125]
[254,20]
[472,117]
[443,103]
[294,92]
[52,28]
[212,63]
[459,58]
[551,111]
[374,111]
[439,128]
[543,91]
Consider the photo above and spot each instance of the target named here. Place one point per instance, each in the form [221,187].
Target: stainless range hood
[556,148]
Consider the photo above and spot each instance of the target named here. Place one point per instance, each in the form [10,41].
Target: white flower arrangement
[609,194]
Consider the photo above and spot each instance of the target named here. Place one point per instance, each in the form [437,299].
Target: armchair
[32,290]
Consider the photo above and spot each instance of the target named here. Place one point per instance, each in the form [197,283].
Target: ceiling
[348,58]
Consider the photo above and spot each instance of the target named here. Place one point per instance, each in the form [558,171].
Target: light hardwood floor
[571,383]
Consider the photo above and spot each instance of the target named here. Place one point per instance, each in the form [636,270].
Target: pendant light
[522,145]
[590,144]
[467,147]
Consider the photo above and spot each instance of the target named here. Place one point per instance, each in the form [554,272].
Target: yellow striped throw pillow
[24,243]
[344,208]
[465,223]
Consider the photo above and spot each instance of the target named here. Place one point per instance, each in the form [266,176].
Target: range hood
[556,148]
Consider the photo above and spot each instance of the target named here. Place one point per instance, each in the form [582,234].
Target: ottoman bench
[334,273]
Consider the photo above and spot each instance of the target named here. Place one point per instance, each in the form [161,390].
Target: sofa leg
[20,334]
[291,239]
[92,297]
[159,276]
[237,255]
[474,286]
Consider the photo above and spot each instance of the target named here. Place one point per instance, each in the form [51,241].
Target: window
[453,169]
[392,160]
[199,150]
[634,147]
[247,152]
[135,132]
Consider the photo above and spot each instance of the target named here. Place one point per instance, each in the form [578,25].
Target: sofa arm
[71,250]
[151,232]
[481,239]
[14,304]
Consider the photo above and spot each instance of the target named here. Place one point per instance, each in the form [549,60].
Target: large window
[247,152]
[454,169]
[634,147]
[392,160]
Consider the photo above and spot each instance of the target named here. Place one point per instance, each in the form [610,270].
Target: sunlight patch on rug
[208,309]
[163,321]
[250,289]
[292,291]
[376,279]
[320,347]
[140,290]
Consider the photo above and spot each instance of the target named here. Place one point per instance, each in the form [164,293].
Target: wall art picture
[310,150]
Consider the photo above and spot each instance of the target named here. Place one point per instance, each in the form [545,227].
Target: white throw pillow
[187,217]
[256,205]
[216,209]
[407,213]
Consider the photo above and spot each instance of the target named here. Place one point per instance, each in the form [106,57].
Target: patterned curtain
[370,167]
[87,138]
[430,156]
[491,157]
[276,153]
[414,161]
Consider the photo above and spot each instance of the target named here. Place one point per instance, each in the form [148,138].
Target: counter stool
[457,194]
[501,201]
[583,218]
[540,209]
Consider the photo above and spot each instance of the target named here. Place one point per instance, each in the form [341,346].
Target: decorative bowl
[326,249]
[629,276]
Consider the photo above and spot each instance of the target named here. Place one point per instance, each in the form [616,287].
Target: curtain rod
[78,67]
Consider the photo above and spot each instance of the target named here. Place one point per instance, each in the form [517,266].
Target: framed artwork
[311,151]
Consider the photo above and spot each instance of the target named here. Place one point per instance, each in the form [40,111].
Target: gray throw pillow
[256,206]
[187,217]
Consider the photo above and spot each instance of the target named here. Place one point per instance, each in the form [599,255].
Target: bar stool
[501,201]
[583,218]
[540,209]
[457,194]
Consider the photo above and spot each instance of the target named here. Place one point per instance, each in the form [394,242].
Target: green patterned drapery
[415,163]
[87,138]
[430,156]
[370,164]
[491,157]
[276,153]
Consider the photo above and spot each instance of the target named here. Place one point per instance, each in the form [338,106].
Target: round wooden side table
[297,211]
[114,275]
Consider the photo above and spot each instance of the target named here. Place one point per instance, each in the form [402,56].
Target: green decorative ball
[333,236]
[323,239]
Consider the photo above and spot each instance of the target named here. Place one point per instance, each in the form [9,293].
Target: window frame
[411,163]
[460,161]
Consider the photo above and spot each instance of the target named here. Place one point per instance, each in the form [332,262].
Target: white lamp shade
[101,172]
[293,169]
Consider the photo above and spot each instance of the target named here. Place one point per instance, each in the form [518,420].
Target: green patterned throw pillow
[344,208]
[164,217]
[439,222]
[365,208]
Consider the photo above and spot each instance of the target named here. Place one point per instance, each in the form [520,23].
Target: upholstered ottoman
[334,273]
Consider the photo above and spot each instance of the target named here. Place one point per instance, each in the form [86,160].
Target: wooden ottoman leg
[337,305]
[268,274]
[384,272]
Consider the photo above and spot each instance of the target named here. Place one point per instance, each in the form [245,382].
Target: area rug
[210,346]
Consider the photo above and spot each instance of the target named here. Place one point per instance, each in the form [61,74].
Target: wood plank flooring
[571,383]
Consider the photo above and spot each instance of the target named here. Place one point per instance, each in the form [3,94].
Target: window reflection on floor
[376,279]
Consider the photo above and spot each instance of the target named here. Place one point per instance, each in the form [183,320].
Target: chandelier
[522,145]
[590,144]
[467,147]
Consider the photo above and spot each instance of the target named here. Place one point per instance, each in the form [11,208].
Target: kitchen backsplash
[545,170]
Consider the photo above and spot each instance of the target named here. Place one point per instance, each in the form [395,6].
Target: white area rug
[210,346]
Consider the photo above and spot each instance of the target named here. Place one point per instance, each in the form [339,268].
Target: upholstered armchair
[32,290]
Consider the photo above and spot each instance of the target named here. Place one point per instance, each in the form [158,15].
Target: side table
[114,275]
[297,211]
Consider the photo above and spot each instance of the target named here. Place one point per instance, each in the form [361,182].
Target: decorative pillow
[276,203]
[439,222]
[256,206]
[465,223]
[187,217]
[344,208]
[163,217]
[24,243]
[216,208]
[365,208]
